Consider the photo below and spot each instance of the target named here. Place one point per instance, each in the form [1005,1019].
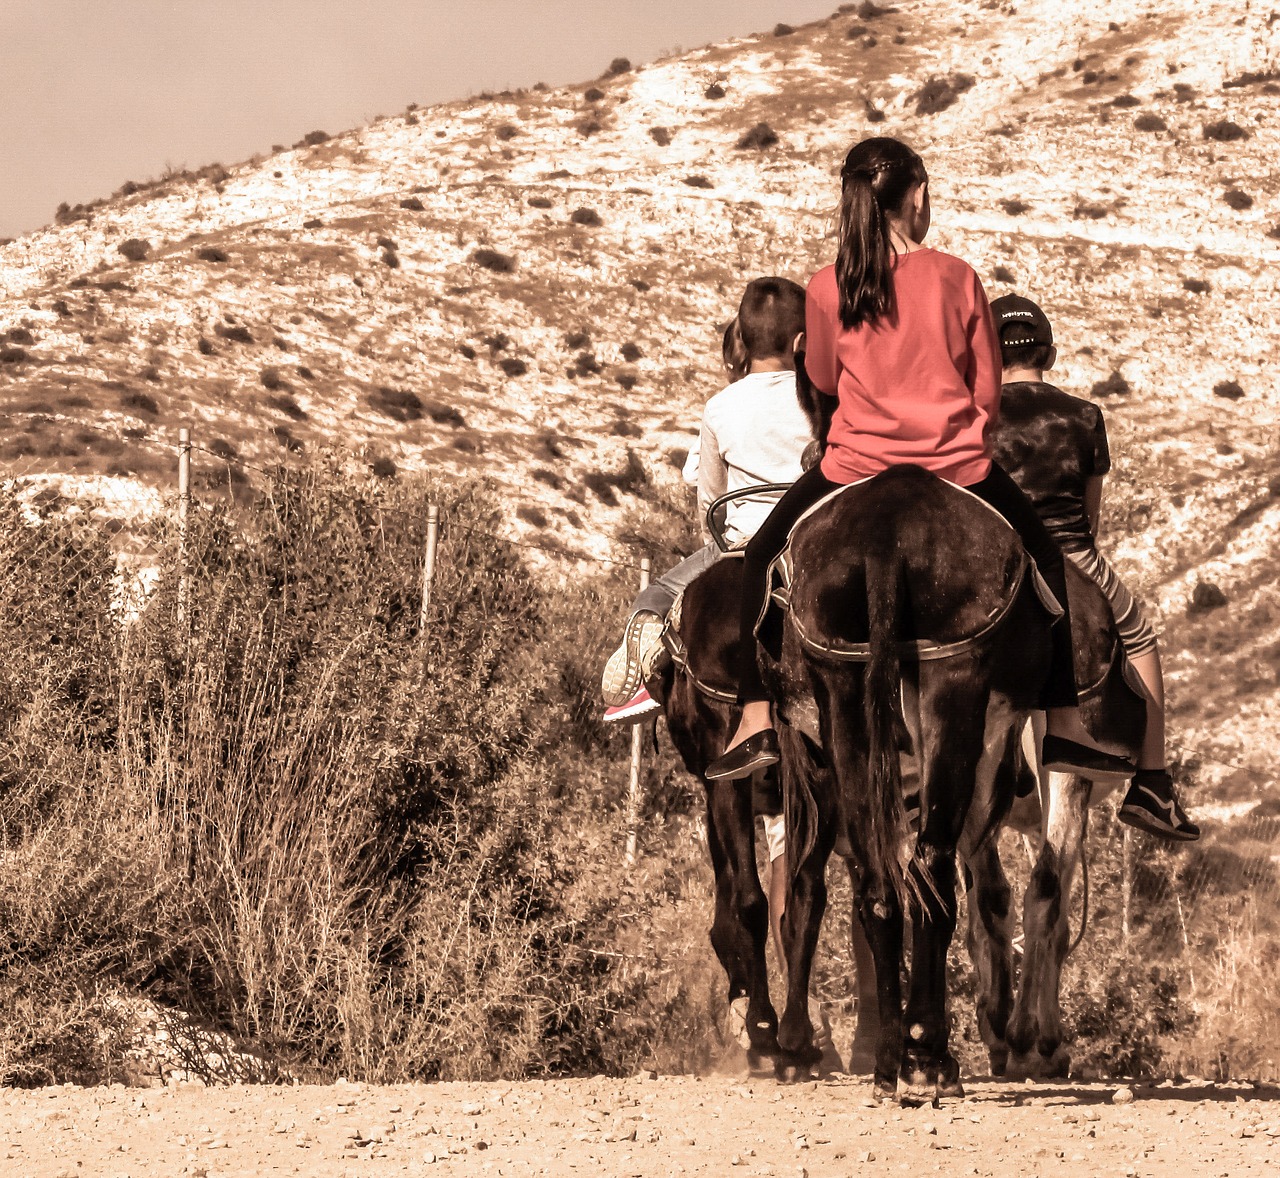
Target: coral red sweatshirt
[922,386]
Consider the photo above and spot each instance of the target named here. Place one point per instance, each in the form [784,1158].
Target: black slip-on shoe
[756,752]
[1152,805]
[1060,755]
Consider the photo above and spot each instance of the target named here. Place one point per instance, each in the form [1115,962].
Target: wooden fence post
[184,506]
[429,563]
[1126,881]
[637,750]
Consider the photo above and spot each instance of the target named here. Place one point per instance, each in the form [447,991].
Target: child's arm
[983,372]
[713,473]
[820,343]
[1093,502]
[816,405]
[1100,465]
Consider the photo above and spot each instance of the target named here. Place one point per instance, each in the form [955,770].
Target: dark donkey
[696,689]
[905,588]
[1025,1037]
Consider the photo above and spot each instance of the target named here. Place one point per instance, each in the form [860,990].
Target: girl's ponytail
[876,177]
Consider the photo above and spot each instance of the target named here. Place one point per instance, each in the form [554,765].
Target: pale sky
[97,92]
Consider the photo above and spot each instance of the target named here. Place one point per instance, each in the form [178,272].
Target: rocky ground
[641,1127]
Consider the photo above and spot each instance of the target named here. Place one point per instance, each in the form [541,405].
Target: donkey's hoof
[949,1086]
[885,1090]
[1056,1066]
[791,1072]
[1023,1065]
[999,1061]
[760,1063]
[916,1087]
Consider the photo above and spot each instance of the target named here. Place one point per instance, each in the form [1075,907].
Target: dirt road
[642,1126]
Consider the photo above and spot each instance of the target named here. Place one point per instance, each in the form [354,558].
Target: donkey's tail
[799,770]
[886,813]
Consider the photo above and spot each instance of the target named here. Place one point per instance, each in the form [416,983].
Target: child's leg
[661,593]
[1139,641]
[1152,803]
[1068,745]
[1147,665]
[630,665]
[753,744]
[775,840]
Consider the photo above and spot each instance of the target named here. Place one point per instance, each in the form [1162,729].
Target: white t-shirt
[752,432]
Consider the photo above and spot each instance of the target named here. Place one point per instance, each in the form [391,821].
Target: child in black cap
[1055,447]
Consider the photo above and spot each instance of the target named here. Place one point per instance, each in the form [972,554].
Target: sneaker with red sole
[632,663]
[637,707]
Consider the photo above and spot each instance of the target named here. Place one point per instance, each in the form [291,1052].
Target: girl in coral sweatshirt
[902,336]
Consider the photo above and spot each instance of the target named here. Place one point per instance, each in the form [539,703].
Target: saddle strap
[680,658]
[920,650]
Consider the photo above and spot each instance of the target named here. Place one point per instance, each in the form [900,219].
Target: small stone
[929,1128]
[1122,1096]
[428,1157]
[866,1156]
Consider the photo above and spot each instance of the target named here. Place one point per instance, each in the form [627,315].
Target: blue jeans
[661,594]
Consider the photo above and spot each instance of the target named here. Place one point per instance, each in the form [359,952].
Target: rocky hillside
[532,284]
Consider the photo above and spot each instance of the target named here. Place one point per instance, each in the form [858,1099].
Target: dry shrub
[941,92]
[1114,386]
[491,259]
[1224,131]
[234,332]
[398,404]
[761,137]
[135,249]
[283,807]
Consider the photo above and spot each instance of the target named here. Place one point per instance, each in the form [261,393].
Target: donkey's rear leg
[990,904]
[802,917]
[741,925]
[1035,1031]
[876,903]
[961,752]
[990,944]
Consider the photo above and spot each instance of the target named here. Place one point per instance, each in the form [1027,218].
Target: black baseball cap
[1020,323]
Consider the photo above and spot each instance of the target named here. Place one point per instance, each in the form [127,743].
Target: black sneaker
[1152,805]
[1061,755]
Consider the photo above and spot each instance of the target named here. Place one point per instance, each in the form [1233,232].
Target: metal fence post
[184,505]
[429,563]
[637,750]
